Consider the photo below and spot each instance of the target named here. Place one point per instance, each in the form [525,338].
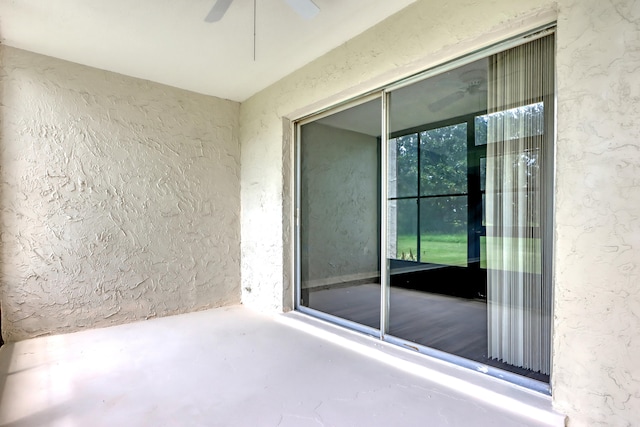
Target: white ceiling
[167,41]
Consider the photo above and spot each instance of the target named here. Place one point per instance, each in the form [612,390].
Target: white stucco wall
[596,376]
[596,370]
[339,220]
[120,198]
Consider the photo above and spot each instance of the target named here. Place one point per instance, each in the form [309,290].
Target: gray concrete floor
[233,367]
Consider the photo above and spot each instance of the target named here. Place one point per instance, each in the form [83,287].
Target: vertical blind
[519,193]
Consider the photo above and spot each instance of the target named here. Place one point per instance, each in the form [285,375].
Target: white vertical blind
[520,137]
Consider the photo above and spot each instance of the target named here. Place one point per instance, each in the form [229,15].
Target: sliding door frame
[384,94]
[374,332]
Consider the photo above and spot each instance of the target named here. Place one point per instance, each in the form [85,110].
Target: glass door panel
[436,300]
[339,214]
[477,287]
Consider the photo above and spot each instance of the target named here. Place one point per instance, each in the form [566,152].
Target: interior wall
[339,217]
[595,377]
[119,198]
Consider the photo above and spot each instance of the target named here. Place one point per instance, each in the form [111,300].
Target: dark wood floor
[450,324]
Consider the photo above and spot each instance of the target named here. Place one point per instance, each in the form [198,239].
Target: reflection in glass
[443,160]
[339,214]
[511,122]
[475,288]
[403,166]
[443,230]
[403,229]
[469,185]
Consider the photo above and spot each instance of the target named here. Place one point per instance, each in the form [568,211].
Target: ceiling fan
[474,84]
[307,9]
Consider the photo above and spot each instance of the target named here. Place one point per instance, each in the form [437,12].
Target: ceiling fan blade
[218,10]
[447,100]
[305,8]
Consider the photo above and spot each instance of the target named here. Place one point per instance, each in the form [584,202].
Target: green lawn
[448,249]
[451,249]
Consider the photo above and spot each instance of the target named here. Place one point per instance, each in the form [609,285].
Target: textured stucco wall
[120,198]
[596,375]
[596,371]
[339,220]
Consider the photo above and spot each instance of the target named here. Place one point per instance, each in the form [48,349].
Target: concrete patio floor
[234,367]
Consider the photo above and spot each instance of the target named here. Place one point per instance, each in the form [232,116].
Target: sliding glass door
[426,213]
[339,214]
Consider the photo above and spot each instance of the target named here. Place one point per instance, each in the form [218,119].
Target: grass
[447,249]
[451,249]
